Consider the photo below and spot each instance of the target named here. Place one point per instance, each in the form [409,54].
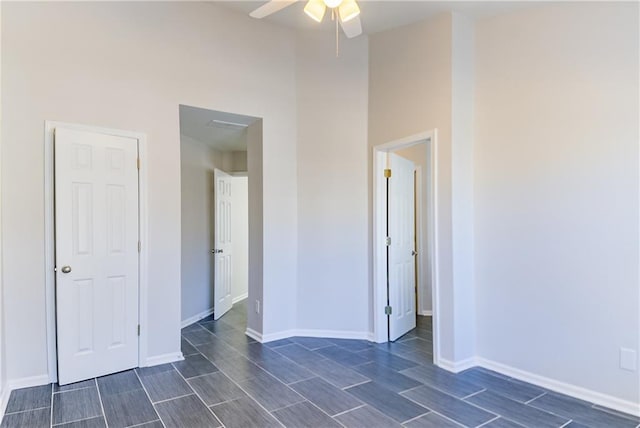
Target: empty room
[320,213]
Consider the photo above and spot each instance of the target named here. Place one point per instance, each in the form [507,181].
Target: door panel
[96,225]
[402,296]
[223,300]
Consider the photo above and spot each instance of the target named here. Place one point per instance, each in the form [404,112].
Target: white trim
[156,360]
[426,313]
[197,317]
[49,242]
[594,397]
[240,298]
[254,334]
[379,293]
[330,334]
[458,366]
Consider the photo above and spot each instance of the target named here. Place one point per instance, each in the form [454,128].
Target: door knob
[214,251]
[66,269]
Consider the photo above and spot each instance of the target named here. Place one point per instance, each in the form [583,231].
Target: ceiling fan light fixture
[348,10]
[315,9]
[333,3]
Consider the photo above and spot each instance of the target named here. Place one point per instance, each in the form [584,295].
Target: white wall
[240,237]
[420,155]
[556,193]
[410,79]
[129,66]
[333,271]
[197,162]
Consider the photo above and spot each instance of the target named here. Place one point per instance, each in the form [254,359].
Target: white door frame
[421,243]
[379,253]
[49,238]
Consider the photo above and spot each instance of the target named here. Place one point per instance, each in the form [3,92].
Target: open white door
[402,297]
[96,227]
[222,298]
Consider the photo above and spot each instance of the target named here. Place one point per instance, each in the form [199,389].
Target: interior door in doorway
[402,297]
[96,244]
[222,297]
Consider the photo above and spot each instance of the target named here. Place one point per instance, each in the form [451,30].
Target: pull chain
[335,18]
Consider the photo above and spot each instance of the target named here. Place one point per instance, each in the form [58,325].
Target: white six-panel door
[223,300]
[96,227]
[402,297]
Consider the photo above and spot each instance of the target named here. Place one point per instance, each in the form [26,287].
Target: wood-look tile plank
[386,401]
[390,378]
[449,406]
[186,412]
[432,420]
[442,380]
[337,374]
[366,417]
[195,365]
[580,411]
[305,415]
[285,370]
[215,388]
[165,385]
[98,422]
[33,398]
[75,405]
[270,392]
[40,418]
[516,411]
[128,408]
[326,396]
[244,413]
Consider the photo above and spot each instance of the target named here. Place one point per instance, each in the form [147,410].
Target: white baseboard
[254,335]
[26,382]
[156,360]
[331,334]
[194,319]
[457,366]
[598,398]
[240,298]
[426,313]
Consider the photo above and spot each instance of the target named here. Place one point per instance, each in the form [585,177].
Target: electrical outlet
[628,359]
[257,306]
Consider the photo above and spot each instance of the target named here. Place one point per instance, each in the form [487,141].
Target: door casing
[379,247]
[49,239]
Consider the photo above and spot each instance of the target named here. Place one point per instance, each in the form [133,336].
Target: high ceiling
[379,16]
[225,132]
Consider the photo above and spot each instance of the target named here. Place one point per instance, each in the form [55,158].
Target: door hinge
[139,246]
[138,163]
[138,329]
[387,173]
[387,241]
[387,310]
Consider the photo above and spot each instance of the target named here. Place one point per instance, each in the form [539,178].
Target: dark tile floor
[228,379]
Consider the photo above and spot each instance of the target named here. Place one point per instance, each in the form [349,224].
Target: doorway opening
[405,246]
[215,148]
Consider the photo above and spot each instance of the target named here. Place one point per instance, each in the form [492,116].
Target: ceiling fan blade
[352,27]
[271,7]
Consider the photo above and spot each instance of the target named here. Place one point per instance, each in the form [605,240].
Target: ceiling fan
[345,11]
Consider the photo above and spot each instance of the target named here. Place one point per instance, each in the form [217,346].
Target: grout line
[171,399]
[567,423]
[489,421]
[144,388]
[417,417]
[410,389]
[144,423]
[51,410]
[356,384]
[104,415]
[473,393]
[30,410]
[535,398]
[76,420]
[72,390]
[350,410]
